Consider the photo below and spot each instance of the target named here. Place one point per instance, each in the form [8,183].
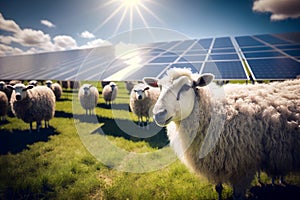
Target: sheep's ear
[28,87]
[204,80]
[147,88]
[150,81]
[10,87]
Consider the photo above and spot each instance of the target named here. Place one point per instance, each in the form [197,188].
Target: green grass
[63,162]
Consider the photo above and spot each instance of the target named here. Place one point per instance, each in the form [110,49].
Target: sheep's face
[2,85]
[177,97]
[20,91]
[140,93]
[86,90]
[113,86]
[49,84]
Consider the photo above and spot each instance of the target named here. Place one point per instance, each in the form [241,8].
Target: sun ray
[110,17]
[151,13]
[121,20]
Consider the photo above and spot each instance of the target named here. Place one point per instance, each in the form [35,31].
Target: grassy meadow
[99,157]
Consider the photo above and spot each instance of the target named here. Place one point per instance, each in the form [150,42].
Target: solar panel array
[272,57]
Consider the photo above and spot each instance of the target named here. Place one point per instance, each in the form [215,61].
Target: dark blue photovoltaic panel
[295,53]
[223,57]
[289,46]
[263,54]
[244,41]
[271,39]
[226,70]
[223,50]
[203,44]
[195,52]
[193,58]
[164,59]
[276,68]
[147,70]
[224,42]
[184,45]
[261,48]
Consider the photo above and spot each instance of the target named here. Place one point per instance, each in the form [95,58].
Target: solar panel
[275,68]
[227,70]
[265,56]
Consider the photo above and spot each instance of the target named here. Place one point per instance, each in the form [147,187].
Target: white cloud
[64,42]
[96,43]
[86,34]
[8,25]
[47,23]
[8,50]
[280,9]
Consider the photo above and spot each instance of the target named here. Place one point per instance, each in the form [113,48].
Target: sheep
[33,82]
[110,92]
[56,88]
[3,106]
[142,100]
[88,96]
[229,137]
[33,104]
[74,84]
[5,89]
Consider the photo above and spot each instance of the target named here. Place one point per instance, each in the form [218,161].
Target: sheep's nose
[18,97]
[160,117]
[139,97]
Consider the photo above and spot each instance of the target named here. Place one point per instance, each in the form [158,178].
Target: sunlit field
[55,164]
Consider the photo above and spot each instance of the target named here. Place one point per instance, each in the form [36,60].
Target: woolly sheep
[56,88]
[259,127]
[88,96]
[33,104]
[5,89]
[3,105]
[74,84]
[110,92]
[33,82]
[142,100]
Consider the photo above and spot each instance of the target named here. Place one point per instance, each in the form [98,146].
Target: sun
[131,10]
[131,3]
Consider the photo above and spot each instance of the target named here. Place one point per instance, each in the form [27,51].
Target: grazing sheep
[110,92]
[3,106]
[33,82]
[33,104]
[142,100]
[5,89]
[88,96]
[74,84]
[229,137]
[56,88]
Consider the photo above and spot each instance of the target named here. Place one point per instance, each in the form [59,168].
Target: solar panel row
[264,56]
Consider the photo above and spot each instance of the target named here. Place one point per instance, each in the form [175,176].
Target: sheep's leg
[38,126]
[282,181]
[30,125]
[86,111]
[219,189]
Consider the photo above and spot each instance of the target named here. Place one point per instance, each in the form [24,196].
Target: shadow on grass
[276,192]
[16,141]
[152,134]
[114,106]
[63,114]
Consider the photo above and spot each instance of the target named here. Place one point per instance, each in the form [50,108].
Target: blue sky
[31,26]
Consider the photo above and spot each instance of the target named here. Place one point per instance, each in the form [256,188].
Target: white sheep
[88,96]
[56,88]
[33,104]
[110,92]
[228,138]
[33,82]
[142,100]
[3,106]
